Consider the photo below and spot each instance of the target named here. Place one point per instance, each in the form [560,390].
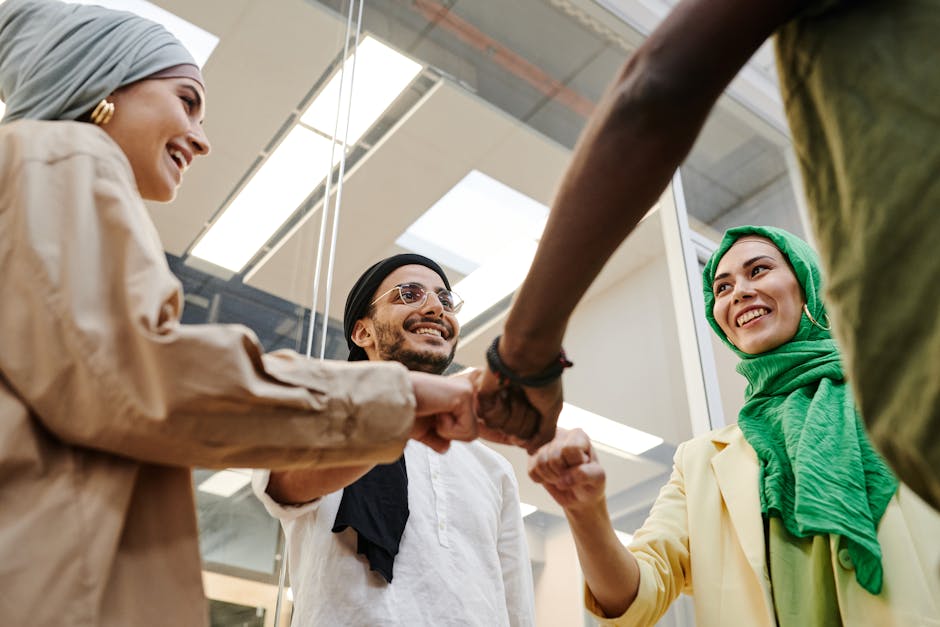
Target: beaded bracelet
[538,380]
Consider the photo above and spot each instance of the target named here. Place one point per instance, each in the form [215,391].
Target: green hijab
[818,471]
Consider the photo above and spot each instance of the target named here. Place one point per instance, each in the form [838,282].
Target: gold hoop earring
[813,320]
[103,112]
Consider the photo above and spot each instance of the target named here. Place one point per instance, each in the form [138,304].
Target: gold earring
[103,112]
[813,320]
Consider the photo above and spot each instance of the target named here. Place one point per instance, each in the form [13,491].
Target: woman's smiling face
[158,125]
[758,300]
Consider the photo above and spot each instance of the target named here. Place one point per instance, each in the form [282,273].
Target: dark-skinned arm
[641,131]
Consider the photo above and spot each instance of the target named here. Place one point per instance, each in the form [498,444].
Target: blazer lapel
[736,472]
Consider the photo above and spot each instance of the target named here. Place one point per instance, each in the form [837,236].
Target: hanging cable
[315,291]
[339,187]
[320,239]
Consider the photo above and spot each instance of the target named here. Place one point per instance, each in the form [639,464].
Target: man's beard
[390,340]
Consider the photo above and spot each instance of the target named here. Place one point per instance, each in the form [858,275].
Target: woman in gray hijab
[105,399]
[74,62]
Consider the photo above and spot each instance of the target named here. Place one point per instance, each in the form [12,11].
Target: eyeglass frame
[427,292]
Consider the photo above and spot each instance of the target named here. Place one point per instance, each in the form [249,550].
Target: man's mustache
[413,322]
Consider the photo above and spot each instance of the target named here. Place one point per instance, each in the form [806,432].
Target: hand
[526,416]
[475,376]
[444,410]
[568,469]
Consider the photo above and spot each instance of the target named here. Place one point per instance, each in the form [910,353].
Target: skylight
[380,74]
[225,483]
[269,198]
[199,42]
[609,435]
[493,245]
[301,162]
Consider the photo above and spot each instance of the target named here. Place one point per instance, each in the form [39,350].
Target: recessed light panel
[267,201]
[380,74]
[485,230]
[613,436]
[225,483]
[302,160]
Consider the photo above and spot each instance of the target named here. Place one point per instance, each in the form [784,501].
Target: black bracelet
[538,380]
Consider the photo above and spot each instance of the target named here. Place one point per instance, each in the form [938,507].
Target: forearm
[251,410]
[641,131]
[622,163]
[294,487]
[153,398]
[610,571]
[95,348]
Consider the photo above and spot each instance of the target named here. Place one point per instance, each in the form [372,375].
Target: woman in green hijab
[787,518]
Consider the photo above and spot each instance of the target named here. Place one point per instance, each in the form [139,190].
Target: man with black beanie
[430,539]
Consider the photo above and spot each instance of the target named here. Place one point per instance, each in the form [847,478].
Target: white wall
[558,582]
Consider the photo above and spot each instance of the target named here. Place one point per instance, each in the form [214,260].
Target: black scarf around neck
[376,506]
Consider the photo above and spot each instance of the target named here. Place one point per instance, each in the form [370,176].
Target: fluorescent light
[494,281]
[477,203]
[225,483]
[302,160]
[380,76]
[199,42]
[494,245]
[610,435]
[624,537]
[292,171]
[527,509]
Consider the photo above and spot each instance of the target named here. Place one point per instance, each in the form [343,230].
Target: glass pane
[222,614]
[737,174]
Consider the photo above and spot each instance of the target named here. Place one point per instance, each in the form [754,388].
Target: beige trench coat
[106,400]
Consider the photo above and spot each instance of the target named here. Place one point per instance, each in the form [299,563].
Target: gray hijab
[57,60]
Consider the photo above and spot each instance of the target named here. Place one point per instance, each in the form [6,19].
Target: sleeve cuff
[370,405]
[284,513]
[640,611]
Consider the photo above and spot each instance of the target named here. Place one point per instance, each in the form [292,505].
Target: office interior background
[347,131]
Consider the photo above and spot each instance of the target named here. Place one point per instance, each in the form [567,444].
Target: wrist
[588,516]
[547,375]
[527,354]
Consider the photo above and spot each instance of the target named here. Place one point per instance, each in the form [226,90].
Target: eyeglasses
[415,295]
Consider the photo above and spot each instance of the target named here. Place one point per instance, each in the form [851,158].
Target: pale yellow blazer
[705,537]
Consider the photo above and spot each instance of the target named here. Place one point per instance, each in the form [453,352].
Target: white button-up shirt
[463,558]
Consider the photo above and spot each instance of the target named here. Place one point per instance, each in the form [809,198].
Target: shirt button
[441,526]
[845,559]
